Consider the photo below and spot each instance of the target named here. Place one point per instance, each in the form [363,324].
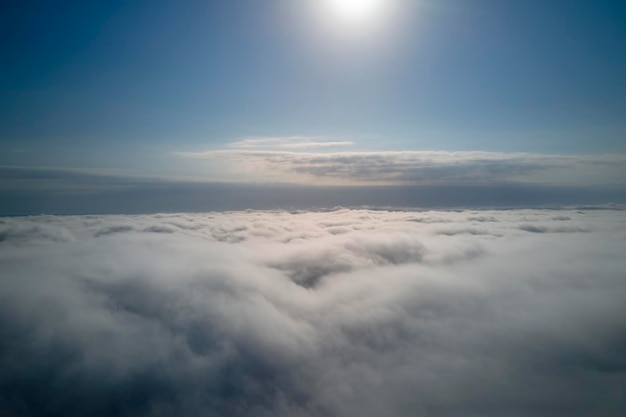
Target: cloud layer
[340,313]
[416,167]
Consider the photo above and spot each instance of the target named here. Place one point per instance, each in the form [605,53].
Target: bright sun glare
[355,10]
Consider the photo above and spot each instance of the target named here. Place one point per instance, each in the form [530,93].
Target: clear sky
[154,87]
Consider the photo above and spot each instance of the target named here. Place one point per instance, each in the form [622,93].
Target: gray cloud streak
[424,168]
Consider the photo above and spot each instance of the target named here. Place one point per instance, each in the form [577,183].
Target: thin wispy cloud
[287,143]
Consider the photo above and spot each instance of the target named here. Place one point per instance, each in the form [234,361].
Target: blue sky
[138,87]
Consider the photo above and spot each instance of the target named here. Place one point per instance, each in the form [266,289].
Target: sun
[355,10]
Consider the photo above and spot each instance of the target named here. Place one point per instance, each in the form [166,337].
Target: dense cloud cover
[340,313]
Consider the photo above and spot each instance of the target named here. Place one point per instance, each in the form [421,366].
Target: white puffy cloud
[339,313]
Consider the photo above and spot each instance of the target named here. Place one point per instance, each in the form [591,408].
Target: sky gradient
[143,88]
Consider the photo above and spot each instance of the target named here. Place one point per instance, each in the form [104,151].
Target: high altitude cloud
[289,142]
[341,313]
[417,167]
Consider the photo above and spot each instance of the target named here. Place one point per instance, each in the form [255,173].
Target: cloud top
[340,313]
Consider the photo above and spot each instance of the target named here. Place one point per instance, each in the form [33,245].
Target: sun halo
[355,10]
